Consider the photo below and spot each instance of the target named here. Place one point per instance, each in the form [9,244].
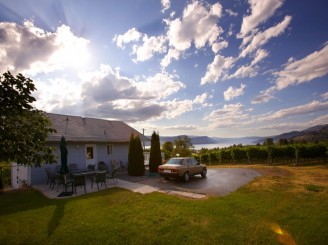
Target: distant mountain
[316,133]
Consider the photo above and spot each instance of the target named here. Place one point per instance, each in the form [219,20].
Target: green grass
[275,208]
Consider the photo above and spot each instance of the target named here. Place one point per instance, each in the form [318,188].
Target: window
[89,152]
[109,149]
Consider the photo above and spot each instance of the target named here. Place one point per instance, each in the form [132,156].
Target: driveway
[221,181]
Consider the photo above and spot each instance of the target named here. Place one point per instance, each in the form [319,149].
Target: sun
[72,50]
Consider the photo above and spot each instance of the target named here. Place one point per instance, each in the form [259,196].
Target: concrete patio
[135,187]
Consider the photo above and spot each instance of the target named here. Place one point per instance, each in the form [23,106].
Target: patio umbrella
[63,156]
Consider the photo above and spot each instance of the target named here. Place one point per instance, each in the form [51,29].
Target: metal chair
[112,175]
[99,177]
[79,180]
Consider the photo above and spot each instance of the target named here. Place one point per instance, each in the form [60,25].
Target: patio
[125,182]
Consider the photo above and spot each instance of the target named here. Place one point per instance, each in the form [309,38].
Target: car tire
[204,173]
[186,177]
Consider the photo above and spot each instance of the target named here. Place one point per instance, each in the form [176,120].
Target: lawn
[285,205]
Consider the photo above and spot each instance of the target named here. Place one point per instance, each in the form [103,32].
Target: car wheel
[186,176]
[204,173]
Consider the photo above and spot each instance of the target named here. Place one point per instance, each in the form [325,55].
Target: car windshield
[175,161]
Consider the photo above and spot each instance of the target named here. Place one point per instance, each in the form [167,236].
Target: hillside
[313,134]
[316,133]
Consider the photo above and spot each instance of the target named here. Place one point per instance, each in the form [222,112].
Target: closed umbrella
[63,156]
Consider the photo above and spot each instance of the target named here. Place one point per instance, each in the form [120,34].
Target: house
[89,141]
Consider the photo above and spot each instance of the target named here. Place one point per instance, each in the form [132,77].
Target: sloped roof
[83,129]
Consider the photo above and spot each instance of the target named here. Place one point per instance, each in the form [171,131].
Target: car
[182,167]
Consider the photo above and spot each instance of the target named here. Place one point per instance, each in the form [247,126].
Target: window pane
[89,152]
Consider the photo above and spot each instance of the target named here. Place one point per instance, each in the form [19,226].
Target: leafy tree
[155,158]
[167,147]
[131,158]
[182,146]
[23,128]
[268,142]
[139,157]
[136,165]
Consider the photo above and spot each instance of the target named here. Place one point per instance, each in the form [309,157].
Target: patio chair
[112,175]
[79,180]
[116,164]
[91,167]
[62,179]
[50,176]
[73,167]
[99,177]
[102,166]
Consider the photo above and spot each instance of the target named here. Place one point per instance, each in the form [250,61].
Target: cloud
[150,46]
[261,11]
[217,46]
[54,94]
[262,38]
[232,92]
[182,127]
[172,54]
[264,96]
[324,96]
[312,107]
[313,66]
[218,69]
[260,55]
[231,13]
[32,50]
[131,35]
[230,114]
[198,24]
[166,5]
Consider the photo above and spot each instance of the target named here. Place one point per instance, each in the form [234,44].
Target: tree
[167,148]
[139,157]
[182,146]
[136,165]
[155,158]
[23,128]
[268,142]
[131,159]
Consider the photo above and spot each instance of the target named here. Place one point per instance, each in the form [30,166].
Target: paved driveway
[221,181]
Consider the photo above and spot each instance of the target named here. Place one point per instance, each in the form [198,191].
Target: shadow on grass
[57,215]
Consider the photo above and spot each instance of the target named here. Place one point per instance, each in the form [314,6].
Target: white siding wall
[76,154]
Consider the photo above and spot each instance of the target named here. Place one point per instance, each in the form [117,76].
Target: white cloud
[230,114]
[245,71]
[172,54]
[218,69]
[313,66]
[262,38]
[150,46]
[260,55]
[324,96]
[131,35]
[198,24]
[232,92]
[261,11]
[158,86]
[217,46]
[264,96]
[166,5]
[314,106]
[56,94]
[32,50]
[231,13]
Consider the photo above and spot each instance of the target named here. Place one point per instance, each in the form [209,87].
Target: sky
[229,68]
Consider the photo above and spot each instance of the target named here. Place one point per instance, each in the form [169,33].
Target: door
[90,154]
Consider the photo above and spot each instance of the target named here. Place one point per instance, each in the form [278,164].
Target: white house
[88,140]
